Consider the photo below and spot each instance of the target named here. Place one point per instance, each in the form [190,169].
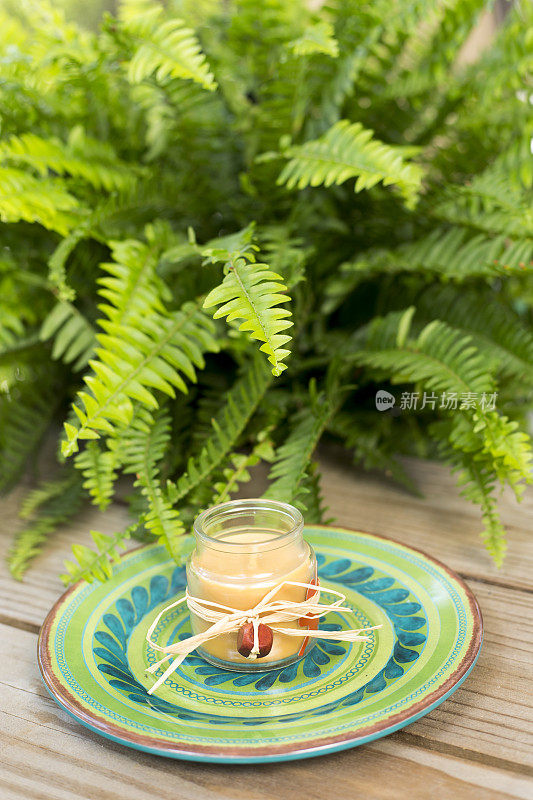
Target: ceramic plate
[93,655]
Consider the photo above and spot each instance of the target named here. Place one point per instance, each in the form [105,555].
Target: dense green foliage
[228,224]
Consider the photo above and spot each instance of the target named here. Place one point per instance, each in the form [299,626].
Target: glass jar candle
[244,548]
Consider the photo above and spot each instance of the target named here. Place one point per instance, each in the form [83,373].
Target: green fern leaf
[317,38]
[74,337]
[310,498]
[143,347]
[99,166]
[98,469]
[440,357]
[46,201]
[448,254]
[141,448]
[239,469]
[91,564]
[292,458]
[134,361]
[238,407]
[24,420]
[171,50]
[252,292]
[59,508]
[376,446]
[349,151]
[500,334]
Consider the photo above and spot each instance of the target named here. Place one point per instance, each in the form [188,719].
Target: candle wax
[241,579]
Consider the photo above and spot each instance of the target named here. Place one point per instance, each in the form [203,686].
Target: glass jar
[243,549]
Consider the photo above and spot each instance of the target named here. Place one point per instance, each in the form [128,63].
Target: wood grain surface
[478,744]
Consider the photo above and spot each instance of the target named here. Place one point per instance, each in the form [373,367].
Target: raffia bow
[268,611]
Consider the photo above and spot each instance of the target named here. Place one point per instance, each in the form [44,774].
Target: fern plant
[226,225]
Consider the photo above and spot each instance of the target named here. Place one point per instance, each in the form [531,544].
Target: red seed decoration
[245,639]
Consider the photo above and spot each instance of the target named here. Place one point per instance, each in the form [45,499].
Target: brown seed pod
[245,639]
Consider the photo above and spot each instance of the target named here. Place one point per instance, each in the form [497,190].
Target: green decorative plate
[92,654]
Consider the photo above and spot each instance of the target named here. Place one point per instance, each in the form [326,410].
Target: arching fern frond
[484,450]
[133,361]
[24,420]
[43,200]
[292,458]
[97,564]
[99,166]
[240,464]
[374,447]
[477,485]
[170,50]
[440,357]
[141,448]
[310,497]
[98,467]
[131,286]
[253,293]
[316,38]
[237,408]
[49,515]
[143,347]
[500,334]
[74,337]
[345,151]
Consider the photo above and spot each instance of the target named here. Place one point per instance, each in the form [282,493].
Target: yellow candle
[243,549]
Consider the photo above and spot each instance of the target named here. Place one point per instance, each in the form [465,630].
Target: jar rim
[248,507]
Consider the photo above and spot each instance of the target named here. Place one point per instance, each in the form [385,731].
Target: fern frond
[483,450]
[345,151]
[240,464]
[310,498]
[317,38]
[143,347]
[477,485]
[74,337]
[131,286]
[45,491]
[134,361]
[57,509]
[98,467]
[24,420]
[91,564]
[447,254]
[141,449]
[500,334]
[492,201]
[170,50]
[46,201]
[498,441]
[252,292]
[292,457]
[100,166]
[285,253]
[440,357]
[237,408]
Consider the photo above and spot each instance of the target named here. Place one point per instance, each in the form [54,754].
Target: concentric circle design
[93,655]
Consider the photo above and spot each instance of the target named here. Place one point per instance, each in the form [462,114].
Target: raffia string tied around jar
[270,612]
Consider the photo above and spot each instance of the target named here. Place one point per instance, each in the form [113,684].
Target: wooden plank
[442,523]
[490,715]
[46,754]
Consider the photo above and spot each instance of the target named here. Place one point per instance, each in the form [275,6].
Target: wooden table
[478,744]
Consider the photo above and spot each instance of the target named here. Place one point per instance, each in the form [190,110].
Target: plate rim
[270,753]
